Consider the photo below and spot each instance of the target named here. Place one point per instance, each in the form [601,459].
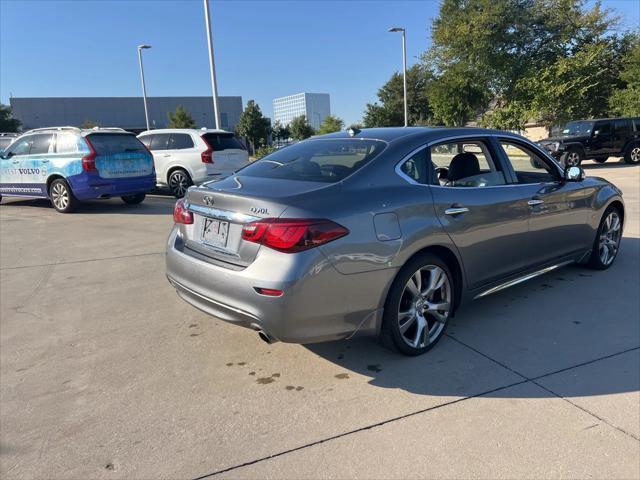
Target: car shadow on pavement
[153,205]
[575,326]
[611,163]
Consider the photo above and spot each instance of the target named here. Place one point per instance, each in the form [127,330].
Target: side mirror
[574,174]
[5,155]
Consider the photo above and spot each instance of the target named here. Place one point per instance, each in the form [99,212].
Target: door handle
[166,155]
[45,161]
[535,201]
[15,162]
[456,210]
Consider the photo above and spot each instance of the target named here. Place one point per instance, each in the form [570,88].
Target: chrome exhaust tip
[266,337]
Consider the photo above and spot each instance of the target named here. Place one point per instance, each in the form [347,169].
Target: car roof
[199,131]
[392,134]
[81,131]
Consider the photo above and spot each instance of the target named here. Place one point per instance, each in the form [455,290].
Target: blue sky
[264,49]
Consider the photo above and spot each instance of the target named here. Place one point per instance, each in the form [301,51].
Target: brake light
[89,160]
[207,156]
[181,214]
[292,235]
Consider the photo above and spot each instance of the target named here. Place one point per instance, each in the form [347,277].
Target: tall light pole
[404,70]
[212,67]
[144,88]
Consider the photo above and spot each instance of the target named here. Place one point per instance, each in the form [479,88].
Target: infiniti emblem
[208,200]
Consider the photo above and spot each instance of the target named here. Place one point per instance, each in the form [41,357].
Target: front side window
[528,165]
[180,141]
[465,163]
[316,160]
[20,146]
[40,143]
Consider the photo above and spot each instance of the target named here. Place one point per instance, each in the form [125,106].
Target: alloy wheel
[178,183]
[60,196]
[635,154]
[609,238]
[573,159]
[425,305]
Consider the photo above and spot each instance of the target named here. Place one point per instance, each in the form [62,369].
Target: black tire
[572,157]
[632,155]
[134,199]
[178,182]
[400,297]
[596,261]
[62,197]
[600,159]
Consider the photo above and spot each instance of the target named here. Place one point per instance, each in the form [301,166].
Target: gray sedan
[384,232]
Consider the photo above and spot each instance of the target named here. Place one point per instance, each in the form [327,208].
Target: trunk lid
[223,207]
[120,155]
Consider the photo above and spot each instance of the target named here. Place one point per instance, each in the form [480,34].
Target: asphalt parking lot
[105,373]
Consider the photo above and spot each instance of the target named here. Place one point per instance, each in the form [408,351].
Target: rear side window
[621,127]
[40,143]
[112,143]
[160,141]
[67,143]
[222,141]
[146,140]
[180,141]
[316,160]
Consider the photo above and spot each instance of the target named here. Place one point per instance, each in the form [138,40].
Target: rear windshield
[111,143]
[222,141]
[316,160]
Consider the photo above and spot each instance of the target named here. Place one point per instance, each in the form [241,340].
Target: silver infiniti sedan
[384,232]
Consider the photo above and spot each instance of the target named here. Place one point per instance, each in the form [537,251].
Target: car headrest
[463,165]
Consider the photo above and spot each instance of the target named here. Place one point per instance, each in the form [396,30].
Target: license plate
[214,232]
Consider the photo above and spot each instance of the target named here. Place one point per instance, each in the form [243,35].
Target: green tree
[331,124]
[626,101]
[181,118]
[389,111]
[253,126]
[280,132]
[89,124]
[300,128]
[510,51]
[456,97]
[7,122]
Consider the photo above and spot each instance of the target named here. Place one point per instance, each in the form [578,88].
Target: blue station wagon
[69,165]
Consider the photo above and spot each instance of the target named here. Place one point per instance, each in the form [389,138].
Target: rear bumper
[318,304]
[86,187]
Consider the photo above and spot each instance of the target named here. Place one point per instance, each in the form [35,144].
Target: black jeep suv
[596,140]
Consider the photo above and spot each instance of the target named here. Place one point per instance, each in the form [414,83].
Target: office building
[315,106]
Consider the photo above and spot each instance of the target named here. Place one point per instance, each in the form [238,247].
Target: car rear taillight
[89,160]
[207,156]
[291,235]
[181,214]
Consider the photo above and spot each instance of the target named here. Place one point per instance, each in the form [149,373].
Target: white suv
[184,157]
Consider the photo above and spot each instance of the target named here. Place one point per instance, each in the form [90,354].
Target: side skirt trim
[524,278]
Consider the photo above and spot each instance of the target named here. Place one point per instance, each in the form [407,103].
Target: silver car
[384,232]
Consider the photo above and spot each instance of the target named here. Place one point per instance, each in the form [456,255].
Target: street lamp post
[404,70]
[212,67]
[144,88]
